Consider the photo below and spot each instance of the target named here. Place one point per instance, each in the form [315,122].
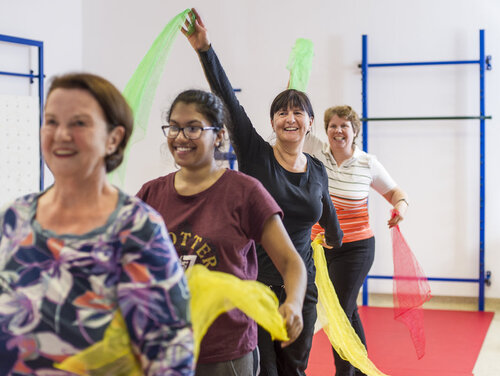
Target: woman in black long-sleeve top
[298,183]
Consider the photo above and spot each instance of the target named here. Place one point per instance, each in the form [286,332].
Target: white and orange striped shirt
[349,185]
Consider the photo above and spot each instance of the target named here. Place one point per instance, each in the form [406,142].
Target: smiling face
[291,116]
[192,154]
[74,135]
[291,125]
[340,134]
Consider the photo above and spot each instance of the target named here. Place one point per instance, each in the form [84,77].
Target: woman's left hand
[397,213]
[398,198]
[292,313]
[396,217]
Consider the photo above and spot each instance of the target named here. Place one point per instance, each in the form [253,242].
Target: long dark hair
[291,98]
[207,104]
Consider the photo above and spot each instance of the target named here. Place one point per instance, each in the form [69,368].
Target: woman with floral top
[82,258]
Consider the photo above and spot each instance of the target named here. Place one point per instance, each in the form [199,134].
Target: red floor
[453,342]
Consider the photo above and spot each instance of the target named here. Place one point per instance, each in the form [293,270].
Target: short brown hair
[115,107]
[345,112]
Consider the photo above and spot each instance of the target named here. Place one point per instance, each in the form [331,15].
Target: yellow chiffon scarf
[212,293]
[333,319]
[111,356]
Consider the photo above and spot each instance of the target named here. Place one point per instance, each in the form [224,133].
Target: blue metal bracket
[488,62]
[488,278]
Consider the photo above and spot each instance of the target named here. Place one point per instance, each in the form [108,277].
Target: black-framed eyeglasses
[190,132]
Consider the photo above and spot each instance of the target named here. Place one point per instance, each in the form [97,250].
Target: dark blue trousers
[290,360]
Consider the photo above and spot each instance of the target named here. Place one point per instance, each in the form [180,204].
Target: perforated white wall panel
[19,146]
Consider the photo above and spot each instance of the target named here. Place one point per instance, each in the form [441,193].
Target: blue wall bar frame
[40,76]
[484,64]
[230,155]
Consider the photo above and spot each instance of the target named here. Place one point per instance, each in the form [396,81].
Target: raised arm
[241,131]
[280,249]
[154,299]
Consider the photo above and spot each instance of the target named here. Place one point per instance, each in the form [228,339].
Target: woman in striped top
[351,173]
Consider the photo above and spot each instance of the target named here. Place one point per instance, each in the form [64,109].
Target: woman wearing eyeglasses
[215,216]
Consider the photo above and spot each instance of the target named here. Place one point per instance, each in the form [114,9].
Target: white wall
[58,24]
[436,162]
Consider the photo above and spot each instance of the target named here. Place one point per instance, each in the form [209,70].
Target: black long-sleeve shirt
[303,196]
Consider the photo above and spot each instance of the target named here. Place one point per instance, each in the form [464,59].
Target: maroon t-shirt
[217,228]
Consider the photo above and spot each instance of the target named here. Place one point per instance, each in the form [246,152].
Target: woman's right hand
[321,236]
[196,32]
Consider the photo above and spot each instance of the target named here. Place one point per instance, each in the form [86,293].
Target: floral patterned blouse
[59,293]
